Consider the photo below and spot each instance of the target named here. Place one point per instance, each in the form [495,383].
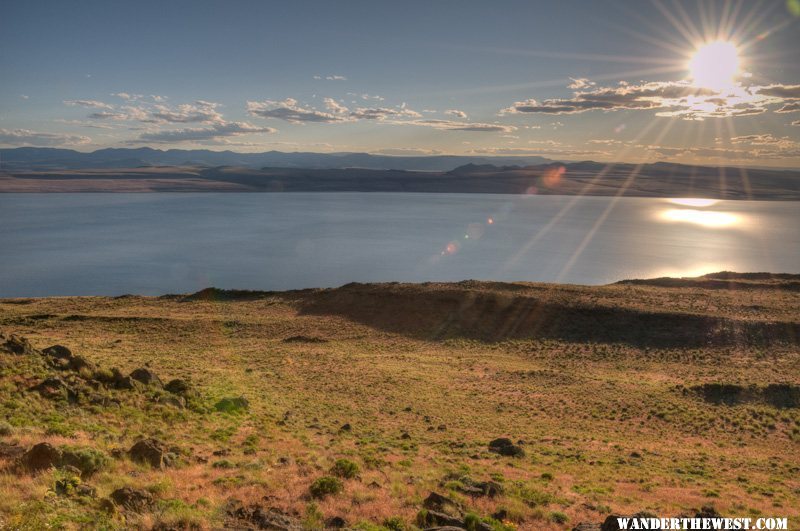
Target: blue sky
[569,79]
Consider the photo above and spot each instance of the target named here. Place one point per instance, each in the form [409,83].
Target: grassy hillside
[294,409]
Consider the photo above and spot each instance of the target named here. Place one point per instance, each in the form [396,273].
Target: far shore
[588,179]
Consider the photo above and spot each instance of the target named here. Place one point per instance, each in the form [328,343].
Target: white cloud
[579,83]
[456,113]
[334,106]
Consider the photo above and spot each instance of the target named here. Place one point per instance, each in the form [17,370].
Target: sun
[715,65]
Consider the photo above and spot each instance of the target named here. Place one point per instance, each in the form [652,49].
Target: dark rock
[504,446]
[489,488]
[374,485]
[405,435]
[119,381]
[431,518]
[335,522]
[346,427]
[610,523]
[55,388]
[437,502]
[178,387]
[500,514]
[58,352]
[146,376]
[151,452]
[41,457]
[15,344]
[134,500]
[261,518]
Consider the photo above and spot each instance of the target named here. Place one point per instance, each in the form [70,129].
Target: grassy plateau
[522,406]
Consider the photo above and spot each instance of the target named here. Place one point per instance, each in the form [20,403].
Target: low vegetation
[484,406]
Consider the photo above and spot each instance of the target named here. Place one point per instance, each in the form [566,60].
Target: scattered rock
[587,527]
[178,387]
[438,503]
[15,344]
[488,488]
[146,376]
[346,427]
[41,457]
[55,388]
[504,446]
[58,352]
[151,452]
[134,500]
[272,518]
[374,485]
[431,518]
[232,405]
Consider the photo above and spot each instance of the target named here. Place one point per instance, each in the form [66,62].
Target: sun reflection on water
[693,201]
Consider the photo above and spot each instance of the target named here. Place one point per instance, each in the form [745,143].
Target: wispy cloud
[456,113]
[290,111]
[92,104]
[202,134]
[26,137]
[452,125]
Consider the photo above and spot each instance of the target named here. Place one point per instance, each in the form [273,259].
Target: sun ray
[688,30]
[609,208]
[573,201]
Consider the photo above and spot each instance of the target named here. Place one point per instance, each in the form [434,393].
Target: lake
[112,244]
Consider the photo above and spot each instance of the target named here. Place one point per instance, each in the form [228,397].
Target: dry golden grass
[585,376]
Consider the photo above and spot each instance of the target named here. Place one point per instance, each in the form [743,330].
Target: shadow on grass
[491,316]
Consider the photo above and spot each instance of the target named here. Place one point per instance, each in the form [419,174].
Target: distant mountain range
[30,158]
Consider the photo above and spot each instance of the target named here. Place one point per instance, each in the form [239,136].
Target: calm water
[81,244]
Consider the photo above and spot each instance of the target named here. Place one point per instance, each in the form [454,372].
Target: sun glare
[715,65]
